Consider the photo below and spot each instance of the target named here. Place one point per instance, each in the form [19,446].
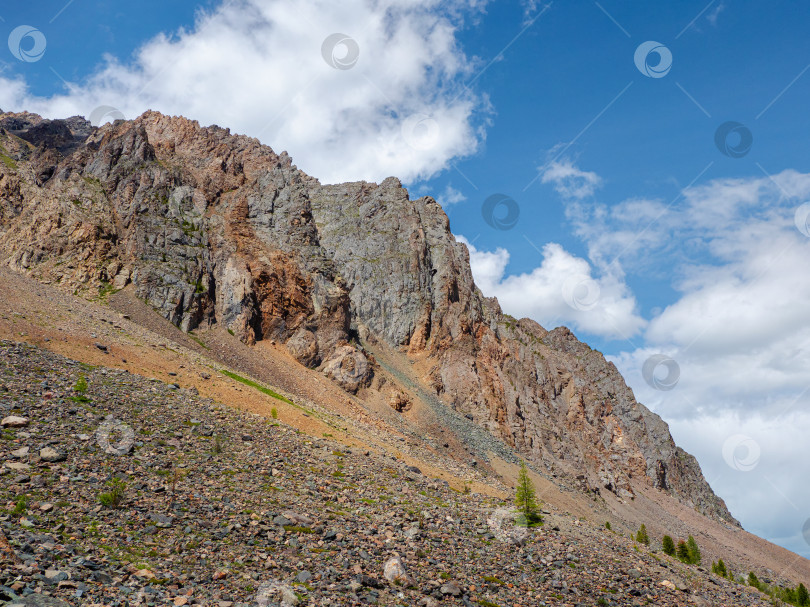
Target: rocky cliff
[213,228]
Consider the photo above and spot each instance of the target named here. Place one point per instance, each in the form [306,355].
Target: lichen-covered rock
[394,571]
[14,421]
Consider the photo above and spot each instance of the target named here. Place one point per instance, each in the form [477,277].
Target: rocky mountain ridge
[211,228]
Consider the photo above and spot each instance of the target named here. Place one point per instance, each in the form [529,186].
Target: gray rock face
[405,273]
[210,227]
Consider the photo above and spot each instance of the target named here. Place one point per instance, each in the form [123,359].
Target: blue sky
[634,228]
[653,140]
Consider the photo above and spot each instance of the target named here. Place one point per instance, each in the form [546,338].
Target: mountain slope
[270,516]
[212,229]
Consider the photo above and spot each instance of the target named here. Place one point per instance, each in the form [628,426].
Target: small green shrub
[80,388]
[20,506]
[218,447]
[274,413]
[115,496]
[668,545]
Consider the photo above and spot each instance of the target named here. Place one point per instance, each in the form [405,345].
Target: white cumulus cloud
[562,290]
[570,181]
[450,196]
[737,330]
[258,67]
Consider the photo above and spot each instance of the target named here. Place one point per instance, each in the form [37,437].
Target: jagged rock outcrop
[210,227]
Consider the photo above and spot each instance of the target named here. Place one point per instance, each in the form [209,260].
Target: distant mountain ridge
[213,228]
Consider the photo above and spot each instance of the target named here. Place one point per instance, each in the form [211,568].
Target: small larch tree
[682,551]
[693,551]
[802,596]
[641,536]
[668,546]
[719,568]
[526,498]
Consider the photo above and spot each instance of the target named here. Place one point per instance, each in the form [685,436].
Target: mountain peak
[217,230]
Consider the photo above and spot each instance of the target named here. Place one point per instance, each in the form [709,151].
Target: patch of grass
[274,413]
[297,529]
[81,385]
[258,387]
[198,340]
[8,161]
[105,290]
[493,580]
